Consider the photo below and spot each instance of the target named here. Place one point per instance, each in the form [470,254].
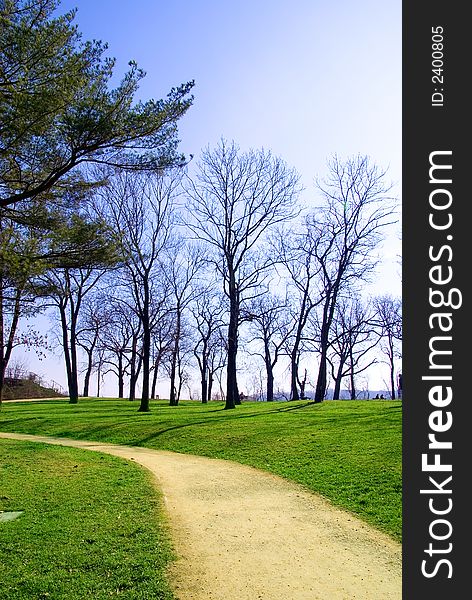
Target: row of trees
[59,115]
[201,263]
[147,262]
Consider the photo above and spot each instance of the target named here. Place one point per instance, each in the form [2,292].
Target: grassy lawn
[348,451]
[90,526]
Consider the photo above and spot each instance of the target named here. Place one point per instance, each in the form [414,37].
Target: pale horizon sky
[304,79]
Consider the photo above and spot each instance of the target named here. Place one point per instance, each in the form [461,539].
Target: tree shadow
[229,415]
[298,407]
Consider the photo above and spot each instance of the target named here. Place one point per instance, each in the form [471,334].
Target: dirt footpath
[242,534]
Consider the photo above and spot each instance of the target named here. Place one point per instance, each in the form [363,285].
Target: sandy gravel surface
[242,534]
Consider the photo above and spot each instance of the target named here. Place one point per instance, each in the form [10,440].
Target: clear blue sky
[305,79]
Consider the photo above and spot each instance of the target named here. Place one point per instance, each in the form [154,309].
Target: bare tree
[297,253]
[92,321]
[207,310]
[180,270]
[234,200]
[184,361]
[141,208]
[98,366]
[162,342]
[389,328]
[217,359]
[67,290]
[271,327]
[351,343]
[348,228]
[117,339]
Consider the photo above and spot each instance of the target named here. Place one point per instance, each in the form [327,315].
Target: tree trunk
[2,344]
[88,372]
[322,380]
[269,373]
[173,391]
[294,355]
[74,389]
[392,367]
[3,365]
[71,382]
[173,397]
[204,373]
[98,382]
[133,376]
[294,395]
[179,390]
[302,384]
[337,389]
[232,392]
[2,383]
[353,387]
[210,385]
[204,390]
[154,382]
[121,377]
[270,384]
[392,383]
[146,350]
[337,383]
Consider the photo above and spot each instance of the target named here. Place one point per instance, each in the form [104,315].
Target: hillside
[20,389]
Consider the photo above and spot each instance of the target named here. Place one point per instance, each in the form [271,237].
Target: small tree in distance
[270,326]
[207,311]
[353,339]
[388,321]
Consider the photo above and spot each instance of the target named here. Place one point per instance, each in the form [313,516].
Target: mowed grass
[348,451]
[90,526]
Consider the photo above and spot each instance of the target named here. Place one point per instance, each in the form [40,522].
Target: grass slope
[25,388]
[350,452]
[90,527]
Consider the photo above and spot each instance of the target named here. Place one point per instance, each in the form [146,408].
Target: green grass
[348,451]
[90,527]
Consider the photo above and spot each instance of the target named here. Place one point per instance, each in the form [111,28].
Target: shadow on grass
[100,431]
[289,408]
[228,416]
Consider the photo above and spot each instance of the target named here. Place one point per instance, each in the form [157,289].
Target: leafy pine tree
[58,113]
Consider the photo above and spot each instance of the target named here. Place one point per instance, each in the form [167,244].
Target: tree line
[153,265]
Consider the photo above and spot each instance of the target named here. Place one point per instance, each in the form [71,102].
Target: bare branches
[234,201]
[388,321]
[141,209]
[237,197]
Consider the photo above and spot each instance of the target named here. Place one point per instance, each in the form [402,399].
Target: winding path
[243,534]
